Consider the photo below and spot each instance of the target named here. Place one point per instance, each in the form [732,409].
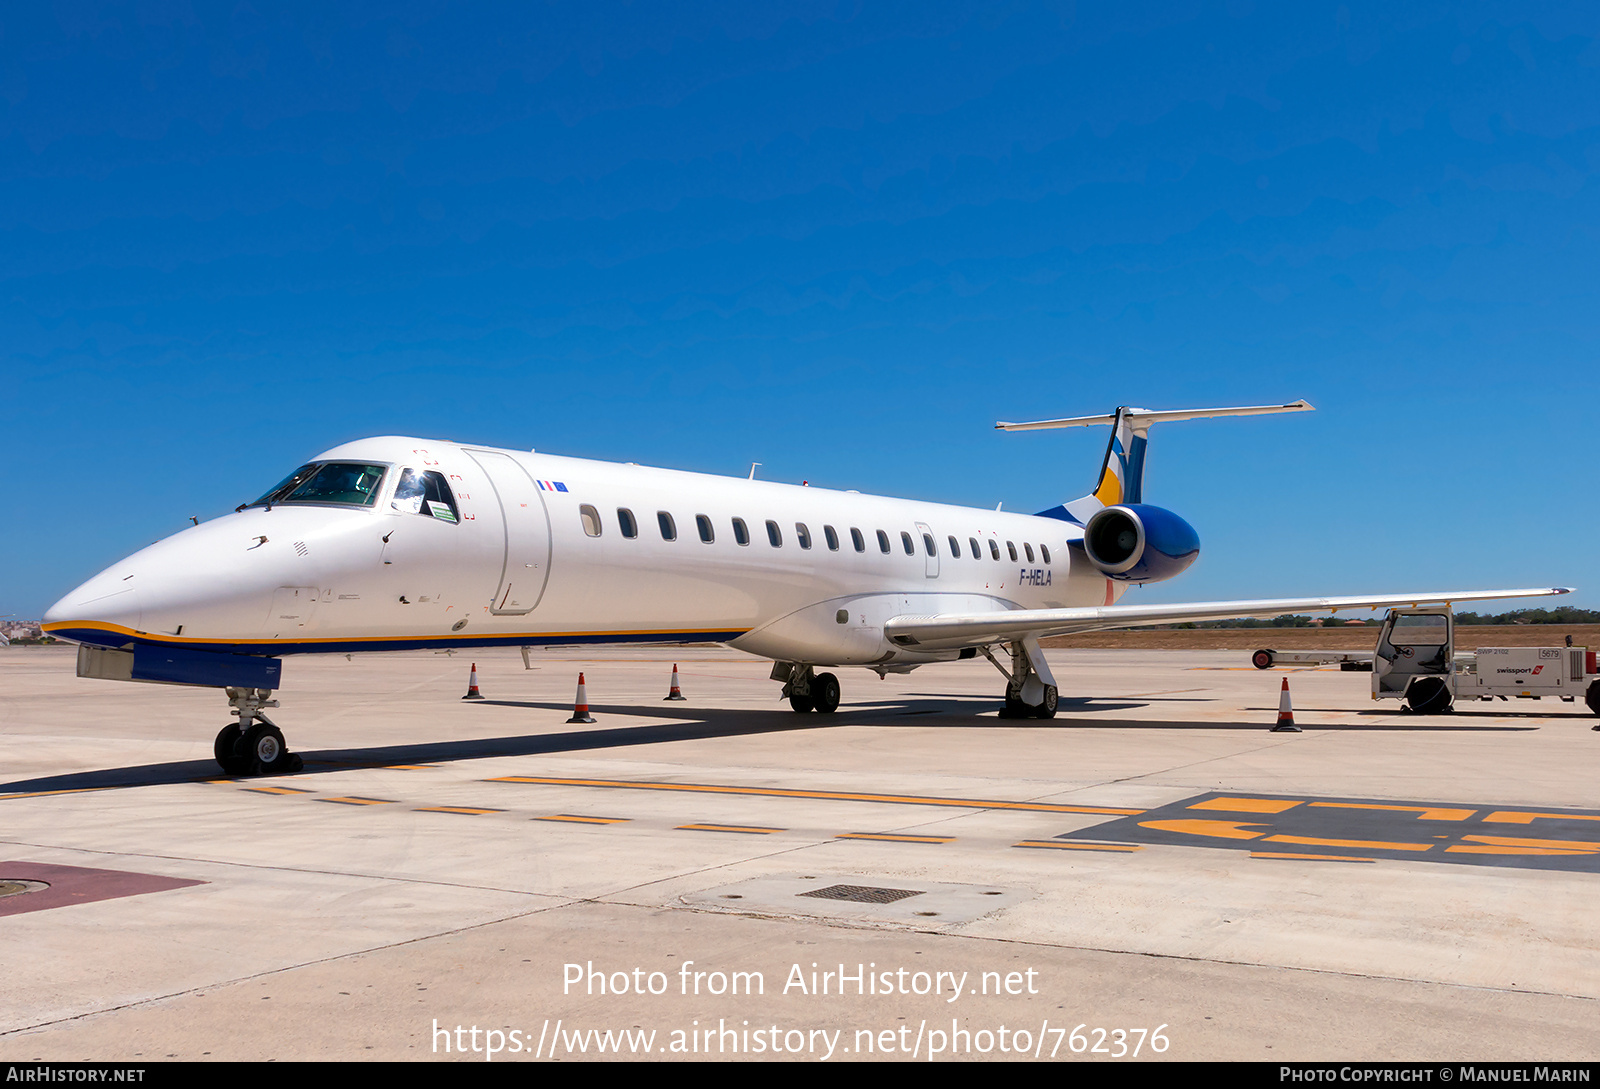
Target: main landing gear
[253,745]
[1030,687]
[807,690]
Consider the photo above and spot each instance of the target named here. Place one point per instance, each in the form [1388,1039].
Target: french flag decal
[552,486]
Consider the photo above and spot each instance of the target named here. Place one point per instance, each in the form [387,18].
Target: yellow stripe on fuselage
[162,637]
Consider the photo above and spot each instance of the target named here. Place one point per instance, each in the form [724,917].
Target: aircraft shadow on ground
[690,724]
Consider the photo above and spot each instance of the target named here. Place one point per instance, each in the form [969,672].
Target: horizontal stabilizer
[1143,417]
[950,631]
[1121,478]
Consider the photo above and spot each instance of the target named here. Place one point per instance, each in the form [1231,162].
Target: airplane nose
[111,597]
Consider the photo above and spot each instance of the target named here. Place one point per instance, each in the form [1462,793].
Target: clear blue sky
[840,240]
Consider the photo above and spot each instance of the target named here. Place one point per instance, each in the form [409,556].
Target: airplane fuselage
[524,548]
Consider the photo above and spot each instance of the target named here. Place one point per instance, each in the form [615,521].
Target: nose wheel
[253,745]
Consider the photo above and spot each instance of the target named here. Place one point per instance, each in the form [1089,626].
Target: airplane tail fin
[1121,478]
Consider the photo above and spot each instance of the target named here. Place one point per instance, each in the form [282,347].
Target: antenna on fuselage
[754,465]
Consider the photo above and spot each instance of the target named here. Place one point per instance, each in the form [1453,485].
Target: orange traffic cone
[1285,713]
[676,693]
[472,685]
[580,706]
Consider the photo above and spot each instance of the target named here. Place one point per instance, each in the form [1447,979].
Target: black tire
[226,750]
[263,746]
[1014,707]
[1047,709]
[1261,659]
[825,693]
[1428,696]
[1592,697]
[801,703]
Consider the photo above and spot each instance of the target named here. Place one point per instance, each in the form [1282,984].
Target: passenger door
[526,569]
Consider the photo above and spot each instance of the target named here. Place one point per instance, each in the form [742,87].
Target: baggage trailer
[1415,661]
[1355,661]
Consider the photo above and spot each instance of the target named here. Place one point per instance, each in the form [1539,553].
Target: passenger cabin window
[329,483]
[774,534]
[994,549]
[972,545]
[832,537]
[802,534]
[1028,550]
[857,539]
[424,493]
[626,523]
[741,532]
[704,524]
[1011,548]
[1045,553]
[927,543]
[955,549]
[669,528]
[591,520]
[883,542]
[905,541]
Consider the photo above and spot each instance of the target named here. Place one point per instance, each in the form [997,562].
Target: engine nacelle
[1140,543]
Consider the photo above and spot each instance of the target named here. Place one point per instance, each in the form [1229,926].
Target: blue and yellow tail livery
[1121,480]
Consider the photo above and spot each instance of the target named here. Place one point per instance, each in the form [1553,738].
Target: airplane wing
[951,631]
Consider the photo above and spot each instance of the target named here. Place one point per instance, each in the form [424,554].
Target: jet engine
[1137,542]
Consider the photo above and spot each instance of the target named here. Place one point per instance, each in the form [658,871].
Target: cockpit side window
[426,494]
[332,483]
[285,486]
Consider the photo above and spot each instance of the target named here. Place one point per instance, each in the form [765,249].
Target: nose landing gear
[253,745]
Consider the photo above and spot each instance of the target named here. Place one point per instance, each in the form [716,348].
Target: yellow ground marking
[1424,812]
[408,767]
[1507,844]
[1247,805]
[78,790]
[355,801]
[1214,829]
[1310,858]
[895,838]
[1510,816]
[468,810]
[748,829]
[1060,846]
[575,819]
[1367,844]
[1474,850]
[832,795]
[278,790]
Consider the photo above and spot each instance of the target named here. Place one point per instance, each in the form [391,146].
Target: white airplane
[401,543]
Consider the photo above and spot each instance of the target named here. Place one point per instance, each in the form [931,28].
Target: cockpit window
[426,493]
[341,483]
